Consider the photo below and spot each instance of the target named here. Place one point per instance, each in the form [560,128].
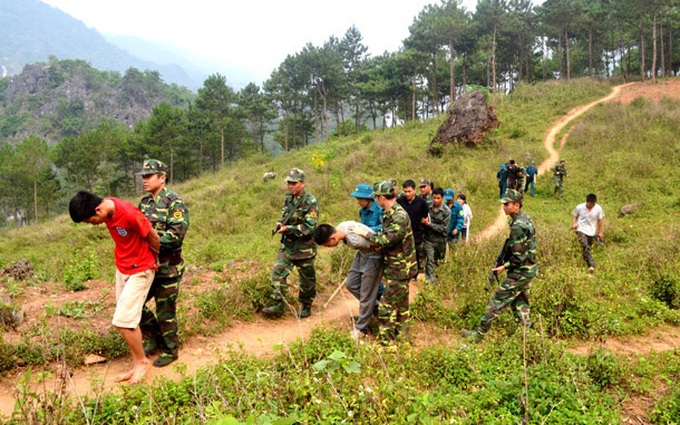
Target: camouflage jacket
[169,217]
[300,216]
[397,243]
[521,256]
[439,224]
[559,171]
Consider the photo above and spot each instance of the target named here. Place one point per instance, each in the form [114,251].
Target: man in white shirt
[587,221]
[363,278]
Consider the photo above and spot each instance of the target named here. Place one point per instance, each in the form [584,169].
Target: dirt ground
[260,336]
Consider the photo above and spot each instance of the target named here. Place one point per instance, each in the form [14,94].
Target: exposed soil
[260,336]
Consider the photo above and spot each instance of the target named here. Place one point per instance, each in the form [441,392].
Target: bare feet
[139,372]
[124,377]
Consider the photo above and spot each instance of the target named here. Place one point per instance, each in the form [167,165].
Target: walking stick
[335,293]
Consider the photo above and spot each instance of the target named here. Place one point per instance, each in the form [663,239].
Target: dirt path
[260,336]
[501,221]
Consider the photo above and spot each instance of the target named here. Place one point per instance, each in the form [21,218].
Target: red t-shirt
[128,228]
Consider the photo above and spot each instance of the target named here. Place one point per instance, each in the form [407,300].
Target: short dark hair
[409,183]
[323,233]
[438,191]
[591,197]
[462,196]
[83,205]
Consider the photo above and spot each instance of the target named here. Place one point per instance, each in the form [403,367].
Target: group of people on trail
[510,175]
[398,235]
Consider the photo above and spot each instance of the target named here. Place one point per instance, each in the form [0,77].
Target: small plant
[81,268]
[337,361]
[667,290]
[604,369]
[80,309]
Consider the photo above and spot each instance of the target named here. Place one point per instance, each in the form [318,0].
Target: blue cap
[448,194]
[363,191]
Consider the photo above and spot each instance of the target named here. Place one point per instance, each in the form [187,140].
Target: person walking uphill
[136,254]
[169,217]
[299,215]
[587,221]
[559,173]
[400,263]
[531,173]
[520,264]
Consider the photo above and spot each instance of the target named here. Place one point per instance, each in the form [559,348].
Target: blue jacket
[372,216]
[457,220]
[531,172]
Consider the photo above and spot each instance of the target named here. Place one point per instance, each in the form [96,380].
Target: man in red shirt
[136,255]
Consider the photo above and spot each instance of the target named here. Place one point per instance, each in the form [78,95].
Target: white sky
[254,35]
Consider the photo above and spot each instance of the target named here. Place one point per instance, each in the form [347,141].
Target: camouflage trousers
[435,252]
[559,185]
[586,242]
[282,269]
[513,292]
[162,326]
[393,310]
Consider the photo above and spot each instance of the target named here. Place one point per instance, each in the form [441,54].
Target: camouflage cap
[511,195]
[392,180]
[295,175]
[383,187]
[362,191]
[153,166]
[425,182]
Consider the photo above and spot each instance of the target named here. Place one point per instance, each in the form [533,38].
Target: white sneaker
[357,334]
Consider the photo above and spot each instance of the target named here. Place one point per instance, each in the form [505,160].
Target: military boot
[473,336]
[306,311]
[275,310]
[165,359]
[150,347]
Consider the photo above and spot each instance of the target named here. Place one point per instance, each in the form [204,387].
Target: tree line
[337,88]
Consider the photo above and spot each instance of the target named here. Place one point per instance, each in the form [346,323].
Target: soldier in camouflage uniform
[520,264]
[436,229]
[170,218]
[299,216]
[559,173]
[398,248]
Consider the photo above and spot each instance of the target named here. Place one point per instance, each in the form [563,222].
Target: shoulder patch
[313,214]
[178,215]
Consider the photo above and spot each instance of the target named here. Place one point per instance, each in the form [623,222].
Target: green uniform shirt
[300,216]
[521,257]
[397,243]
[169,217]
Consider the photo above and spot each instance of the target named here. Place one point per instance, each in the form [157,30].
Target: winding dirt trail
[260,336]
[501,221]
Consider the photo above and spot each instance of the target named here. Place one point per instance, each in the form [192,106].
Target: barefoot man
[136,254]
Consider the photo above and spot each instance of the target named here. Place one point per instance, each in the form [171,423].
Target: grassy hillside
[622,153]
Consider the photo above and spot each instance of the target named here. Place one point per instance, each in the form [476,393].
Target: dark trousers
[586,242]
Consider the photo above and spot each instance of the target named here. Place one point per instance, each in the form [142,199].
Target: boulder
[469,119]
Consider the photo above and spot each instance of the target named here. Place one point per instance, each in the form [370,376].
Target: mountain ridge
[34,31]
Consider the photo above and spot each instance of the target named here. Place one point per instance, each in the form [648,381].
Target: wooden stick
[335,293]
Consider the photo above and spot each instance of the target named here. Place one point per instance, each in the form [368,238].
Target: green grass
[624,154]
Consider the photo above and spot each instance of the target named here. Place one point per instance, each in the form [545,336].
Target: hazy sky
[252,35]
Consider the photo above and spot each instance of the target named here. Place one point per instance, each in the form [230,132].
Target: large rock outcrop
[470,118]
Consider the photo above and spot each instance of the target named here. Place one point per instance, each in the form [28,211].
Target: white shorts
[131,292]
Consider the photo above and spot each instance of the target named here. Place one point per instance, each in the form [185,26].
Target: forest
[319,92]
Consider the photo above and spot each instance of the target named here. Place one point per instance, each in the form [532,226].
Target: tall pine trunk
[493,56]
[452,82]
[654,46]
